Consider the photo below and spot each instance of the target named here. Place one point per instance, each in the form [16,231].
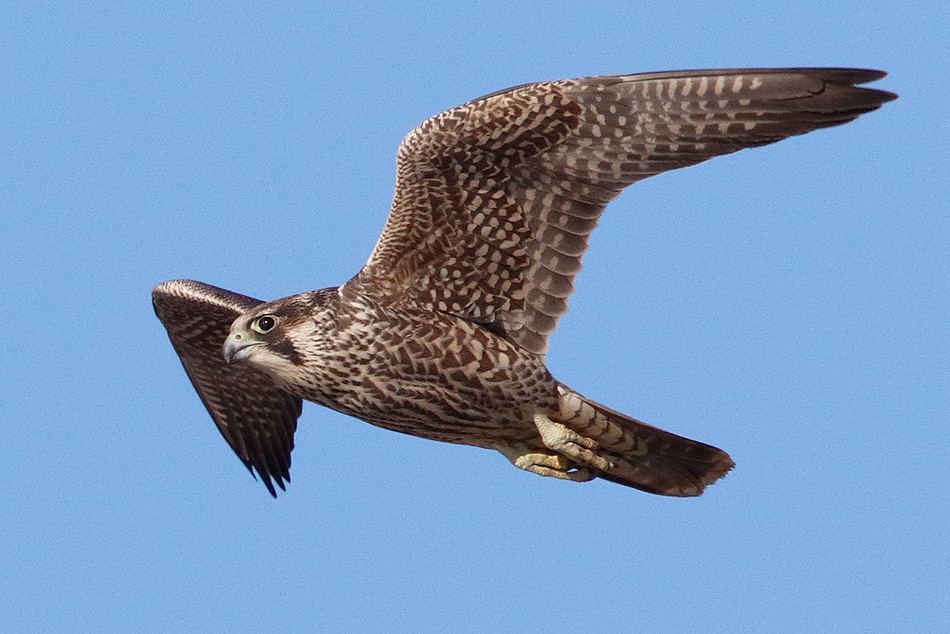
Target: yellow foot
[545,464]
[577,448]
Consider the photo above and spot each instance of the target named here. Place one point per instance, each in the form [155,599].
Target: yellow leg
[569,443]
[545,464]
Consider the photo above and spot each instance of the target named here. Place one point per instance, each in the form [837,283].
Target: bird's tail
[643,457]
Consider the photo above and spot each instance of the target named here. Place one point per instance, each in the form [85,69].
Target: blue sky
[789,304]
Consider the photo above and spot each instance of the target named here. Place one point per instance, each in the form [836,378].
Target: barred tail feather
[644,457]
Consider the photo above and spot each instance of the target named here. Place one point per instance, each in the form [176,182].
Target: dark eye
[264,324]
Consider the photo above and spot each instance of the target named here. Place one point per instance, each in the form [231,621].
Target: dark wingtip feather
[268,478]
[853,76]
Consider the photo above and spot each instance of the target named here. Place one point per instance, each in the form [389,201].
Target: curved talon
[552,466]
[569,443]
[545,464]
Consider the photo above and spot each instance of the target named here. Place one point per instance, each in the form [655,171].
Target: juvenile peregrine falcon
[443,332]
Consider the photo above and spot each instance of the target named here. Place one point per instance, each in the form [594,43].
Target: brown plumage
[443,332]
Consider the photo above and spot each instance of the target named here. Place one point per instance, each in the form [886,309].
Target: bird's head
[282,337]
[266,336]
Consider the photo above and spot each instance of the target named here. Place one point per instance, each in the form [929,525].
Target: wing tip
[264,475]
[855,78]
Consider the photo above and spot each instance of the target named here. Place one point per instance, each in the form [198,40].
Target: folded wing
[256,418]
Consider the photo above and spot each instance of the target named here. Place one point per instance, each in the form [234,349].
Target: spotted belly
[441,377]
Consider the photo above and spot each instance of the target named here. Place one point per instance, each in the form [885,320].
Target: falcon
[443,332]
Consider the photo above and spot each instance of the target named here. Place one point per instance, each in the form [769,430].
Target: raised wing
[495,199]
[256,418]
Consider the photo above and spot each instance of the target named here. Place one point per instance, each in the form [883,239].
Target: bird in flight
[443,332]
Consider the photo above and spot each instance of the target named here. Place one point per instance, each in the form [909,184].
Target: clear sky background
[789,304]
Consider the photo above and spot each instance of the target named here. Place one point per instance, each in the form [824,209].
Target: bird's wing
[256,418]
[495,199]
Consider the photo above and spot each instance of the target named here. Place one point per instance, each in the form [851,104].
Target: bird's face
[262,338]
[286,339]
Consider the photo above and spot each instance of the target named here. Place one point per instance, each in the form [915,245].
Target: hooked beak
[238,346]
